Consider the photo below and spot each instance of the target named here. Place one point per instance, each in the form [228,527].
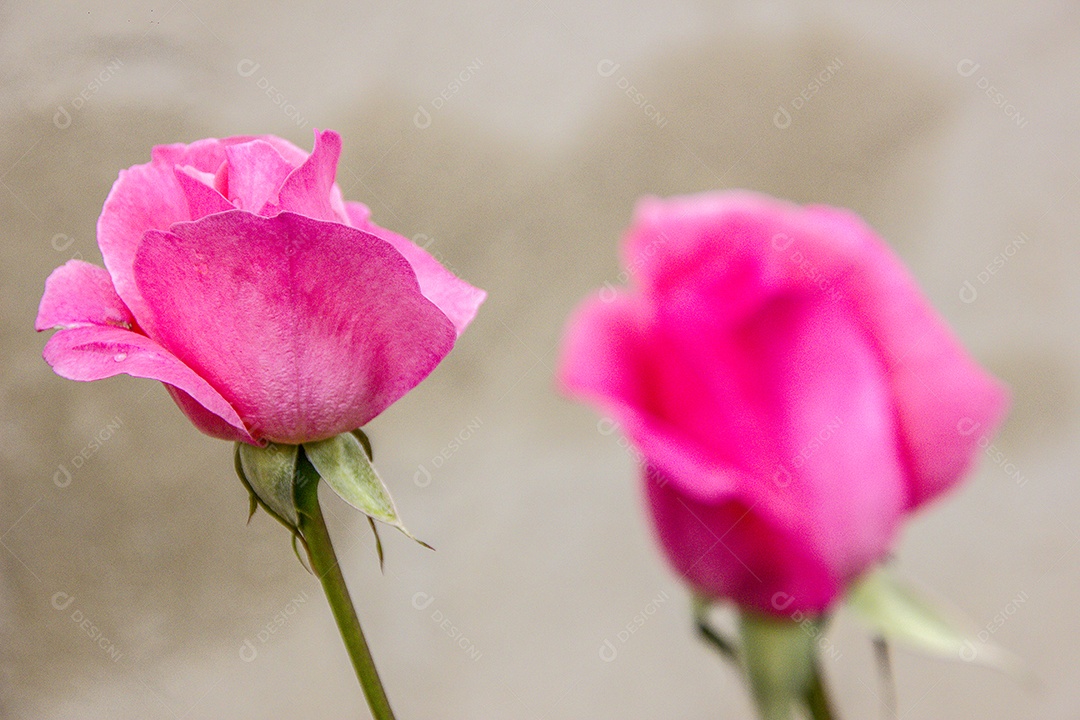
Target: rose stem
[325,565]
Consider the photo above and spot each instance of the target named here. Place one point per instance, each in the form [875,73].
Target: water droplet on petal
[120,357]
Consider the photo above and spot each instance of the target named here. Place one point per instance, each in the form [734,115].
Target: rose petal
[458,300]
[940,393]
[78,294]
[727,550]
[310,328]
[96,352]
[608,358]
[143,198]
[256,172]
[202,198]
[306,191]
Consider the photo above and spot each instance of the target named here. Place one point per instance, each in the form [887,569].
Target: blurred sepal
[898,612]
[273,474]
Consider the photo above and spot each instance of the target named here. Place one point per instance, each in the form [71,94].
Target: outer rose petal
[458,300]
[309,328]
[727,550]
[144,197]
[945,402]
[78,294]
[96,352]
[606,359]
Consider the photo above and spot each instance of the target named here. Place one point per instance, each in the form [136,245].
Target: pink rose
[793,395]
[271,309]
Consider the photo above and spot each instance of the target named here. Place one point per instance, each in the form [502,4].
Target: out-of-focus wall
[512,139]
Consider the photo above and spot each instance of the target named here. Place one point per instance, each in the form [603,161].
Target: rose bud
[792,393]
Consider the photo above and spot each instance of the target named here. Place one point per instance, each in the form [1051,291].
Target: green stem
[325,565]
[817,697]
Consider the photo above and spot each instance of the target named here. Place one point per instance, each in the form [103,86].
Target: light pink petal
[256,172]
[96,352]
[206,421]
[309,328]
[306,191]
[202,198]
[77,294]
[458,300]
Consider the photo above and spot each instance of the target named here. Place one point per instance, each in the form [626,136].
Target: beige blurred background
[506,137]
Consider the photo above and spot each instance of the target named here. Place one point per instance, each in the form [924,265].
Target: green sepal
[378,541]
[270,476]
[344,463]
[253,501]
[779,657]
[363,438]
[898,612]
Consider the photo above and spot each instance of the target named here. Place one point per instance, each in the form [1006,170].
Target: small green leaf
[270,474]
[345,466]
[779,657]
[900,613]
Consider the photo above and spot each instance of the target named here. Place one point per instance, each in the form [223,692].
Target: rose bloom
[271,309]
[792,394]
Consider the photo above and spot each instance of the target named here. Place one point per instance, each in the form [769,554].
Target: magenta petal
[831,424]
[256,172]
[306,191]
[202,198]
[206,421]
[727,550]
[77,294]
[96,352]
[945,402]
[458,300]
[310,328]
[609,357]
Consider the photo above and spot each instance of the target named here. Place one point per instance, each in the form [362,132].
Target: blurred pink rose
[793,395]
[271,309]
